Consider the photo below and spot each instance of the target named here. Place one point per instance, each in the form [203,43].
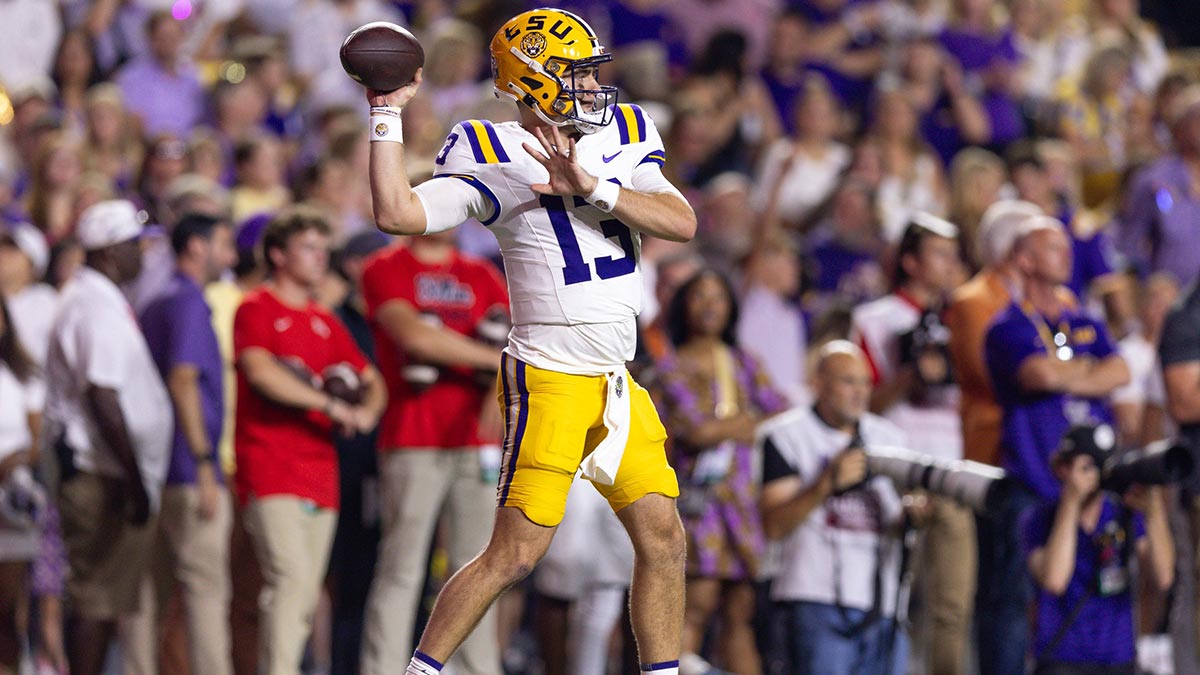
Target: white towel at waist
[601,466]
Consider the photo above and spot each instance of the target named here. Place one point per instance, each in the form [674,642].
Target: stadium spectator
[839,568]
[352,562]
[1179,352]
[286,464]
[1155,226]
[1117,22]
[164,161]
[904,341]
[714,395]
[1096,121]
[912,177]
[74,73]
[431,308]
[988,60]
[1050,366]
[161,87]
[111,146]
[1092,265]
[24,258]
[260,187]
[192,547]
[771,326]
[51,197]
[108,420]
[29,35]
[22,395]
[1079,549]
[809,163]
[951,115]
[1140,406]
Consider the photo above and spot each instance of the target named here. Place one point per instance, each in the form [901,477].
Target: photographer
[836,587]
[1079,548]
[905,343]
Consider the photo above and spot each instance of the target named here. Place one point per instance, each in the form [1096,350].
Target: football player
[568,191]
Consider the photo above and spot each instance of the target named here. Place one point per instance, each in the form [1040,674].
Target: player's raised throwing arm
[397,208]
[665,214]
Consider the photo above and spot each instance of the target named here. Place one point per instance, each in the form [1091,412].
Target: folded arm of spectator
[708,433]
[275,382]
[1081,376]
[367,413]
[433,344]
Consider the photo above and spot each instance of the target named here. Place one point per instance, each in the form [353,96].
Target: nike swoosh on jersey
[611,157]
[282,323]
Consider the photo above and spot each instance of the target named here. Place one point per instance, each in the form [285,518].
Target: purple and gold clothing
[1102,631]
[725,536]
[1034,421]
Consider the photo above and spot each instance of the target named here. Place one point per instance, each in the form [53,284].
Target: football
[382,56]
[342,382]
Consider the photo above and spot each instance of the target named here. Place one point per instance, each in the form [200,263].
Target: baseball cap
[109,222]
[1184,103]
[29,240]
[999,227]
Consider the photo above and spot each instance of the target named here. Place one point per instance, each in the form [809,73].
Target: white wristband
[386,126]
[604,197]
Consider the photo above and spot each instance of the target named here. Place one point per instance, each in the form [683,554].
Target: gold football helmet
[535,60]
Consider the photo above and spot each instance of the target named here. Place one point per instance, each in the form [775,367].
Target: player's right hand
[398,98]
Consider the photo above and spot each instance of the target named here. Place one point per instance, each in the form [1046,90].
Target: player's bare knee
[510,563]
[663,545]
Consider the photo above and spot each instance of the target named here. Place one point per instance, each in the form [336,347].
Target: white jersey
[574,271]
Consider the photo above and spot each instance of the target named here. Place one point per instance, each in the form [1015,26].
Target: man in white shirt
[905,343]
[23,259]
[839,550]
[108,421]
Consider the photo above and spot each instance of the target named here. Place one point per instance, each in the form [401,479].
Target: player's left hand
[561,161]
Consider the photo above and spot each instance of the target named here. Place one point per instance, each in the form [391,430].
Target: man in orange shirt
[972,308]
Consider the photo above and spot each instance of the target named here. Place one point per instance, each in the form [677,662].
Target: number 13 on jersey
[576,269]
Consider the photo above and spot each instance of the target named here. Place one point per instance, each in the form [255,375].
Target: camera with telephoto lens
[971,484]
[926,348]
[1160,463]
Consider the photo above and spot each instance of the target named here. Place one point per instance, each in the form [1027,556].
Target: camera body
[1160,463]
[926,349]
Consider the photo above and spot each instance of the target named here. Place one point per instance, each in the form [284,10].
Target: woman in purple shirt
[988,58]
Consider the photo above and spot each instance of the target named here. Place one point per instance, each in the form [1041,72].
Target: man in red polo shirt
[429,306]
[287,474]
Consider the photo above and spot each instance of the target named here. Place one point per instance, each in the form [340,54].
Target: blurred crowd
[243,431]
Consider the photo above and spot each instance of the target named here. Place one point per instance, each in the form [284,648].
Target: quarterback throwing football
[568,192]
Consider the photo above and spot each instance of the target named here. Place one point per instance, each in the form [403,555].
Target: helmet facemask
[569,105]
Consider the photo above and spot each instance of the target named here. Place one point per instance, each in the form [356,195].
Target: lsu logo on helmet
[535,59]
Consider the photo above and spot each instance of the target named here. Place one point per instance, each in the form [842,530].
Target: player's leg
[547,416]
[656,595]
[643,498]
[517,544]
